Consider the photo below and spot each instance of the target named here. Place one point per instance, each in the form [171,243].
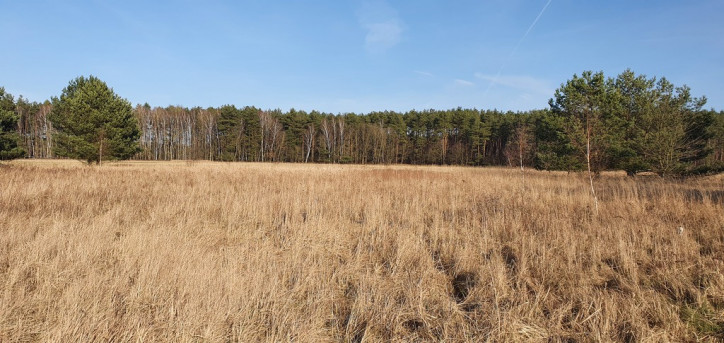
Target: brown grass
[206,251]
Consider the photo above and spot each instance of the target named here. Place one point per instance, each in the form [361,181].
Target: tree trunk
[588,162]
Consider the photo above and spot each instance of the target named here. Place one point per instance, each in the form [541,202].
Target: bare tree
[340,124]
[328,134]
[271,136]
[519,146]
[309,141]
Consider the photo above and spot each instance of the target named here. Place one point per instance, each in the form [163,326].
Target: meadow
[217,252]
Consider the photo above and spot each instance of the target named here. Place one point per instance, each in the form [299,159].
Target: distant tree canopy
[629,122]
[93,123]
[9,138]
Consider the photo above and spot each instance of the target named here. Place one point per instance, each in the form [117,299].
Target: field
[201,251]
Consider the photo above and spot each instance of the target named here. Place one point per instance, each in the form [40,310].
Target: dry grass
[312,253]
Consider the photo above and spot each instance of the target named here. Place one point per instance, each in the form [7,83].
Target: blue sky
[355,56]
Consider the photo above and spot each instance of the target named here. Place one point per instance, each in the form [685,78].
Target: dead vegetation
[312,253]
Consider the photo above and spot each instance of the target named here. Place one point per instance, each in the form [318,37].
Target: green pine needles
[93,123]
[9,148]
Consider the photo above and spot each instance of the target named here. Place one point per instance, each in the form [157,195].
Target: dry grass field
[201,251]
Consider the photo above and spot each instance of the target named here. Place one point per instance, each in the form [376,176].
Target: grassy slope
[274,252]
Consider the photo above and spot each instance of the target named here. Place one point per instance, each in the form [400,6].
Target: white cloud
[382,36]
[464,83]
[522,83]
[383,25]
[423,73]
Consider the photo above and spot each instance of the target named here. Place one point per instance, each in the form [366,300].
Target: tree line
[629,122]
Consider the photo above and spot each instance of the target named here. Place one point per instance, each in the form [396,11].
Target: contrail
[512,52]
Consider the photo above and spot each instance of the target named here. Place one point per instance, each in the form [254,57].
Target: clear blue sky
[355,56]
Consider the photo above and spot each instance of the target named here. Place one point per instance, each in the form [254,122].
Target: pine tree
[93,123]
[231,132]
[9,148]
